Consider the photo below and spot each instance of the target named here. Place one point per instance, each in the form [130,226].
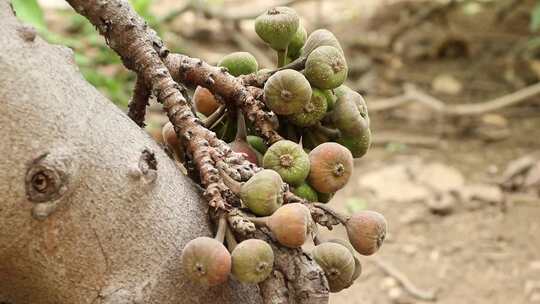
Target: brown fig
[252,261]
[337,263]
[206,261]
[204,101]
[331,167]
[290,224]
[240,144]
[286,92]
[366,231]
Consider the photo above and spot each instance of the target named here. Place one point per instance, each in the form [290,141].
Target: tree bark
[92,210]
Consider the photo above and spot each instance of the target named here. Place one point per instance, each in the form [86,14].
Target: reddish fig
[290,224]
[331,167]
[366,231]
[240,144]
[204,101]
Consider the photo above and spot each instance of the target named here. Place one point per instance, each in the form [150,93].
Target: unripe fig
[289,160]
[277,26]
[304,190]
[312,112]
[331,167]
[319,38]
[290,224]
[326,68]
[358,145]
[257,143]
[357,265]
[206,261]
[297,42]
[286,92]
[313,137]
[350,114]
[204,101]
[239,63]
[330,99]
[337,263]
[170,138]
[262,193]
[325,197]
[252,261]
[240,144]
[366,231]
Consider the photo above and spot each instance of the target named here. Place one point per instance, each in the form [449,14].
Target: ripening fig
[297,42]
[366,231]
[337,263]
[286,92]
[204,101]
[240,144]
[350,113]
[326,68]
[305,191]
[239,63]
[331,167]
[171,140]
[289,160]
[206,261]
[290,224]
[312,112]
[319,38]
[359,144]
[277,26]
[257,143]
[357,265]
[252,261]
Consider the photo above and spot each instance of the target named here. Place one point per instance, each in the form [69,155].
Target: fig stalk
[222,228]
[214,118]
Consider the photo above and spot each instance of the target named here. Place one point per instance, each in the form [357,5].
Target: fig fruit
[325,197]
[257,143]
[357,265]
[358,145]
[239,63]
[290,224]
[312,112]
[240,144]
[331,167]
[262,193]
[305,191]
[366,231]
[350,114]
[337,263]
[286,92]
[330,99]
[252,261]
[297,42]
[277,27]
[206,261]
[326,68]
[289,160]
[313,137]
[319,38]
[204,101]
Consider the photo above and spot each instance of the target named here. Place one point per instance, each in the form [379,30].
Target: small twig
[139,101]
[418,293]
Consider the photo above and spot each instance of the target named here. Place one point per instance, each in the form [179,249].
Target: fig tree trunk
[91,208]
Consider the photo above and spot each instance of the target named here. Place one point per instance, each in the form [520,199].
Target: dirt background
[461,200]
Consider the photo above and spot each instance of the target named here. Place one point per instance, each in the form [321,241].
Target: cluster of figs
[325,125]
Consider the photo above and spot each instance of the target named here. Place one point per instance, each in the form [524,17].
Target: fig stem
[222,228]
[297,65]
[259,221]
[241,132]
[339,216]
[214,117]
[330,132]
[231,240]
[232,184]
[281,56]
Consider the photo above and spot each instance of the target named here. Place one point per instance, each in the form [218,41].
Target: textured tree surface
[92,210]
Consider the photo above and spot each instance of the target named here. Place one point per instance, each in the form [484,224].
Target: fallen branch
[416,292]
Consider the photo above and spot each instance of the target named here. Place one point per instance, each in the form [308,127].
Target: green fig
[257,143]
[289,160]
[330,99]
[296,43]
[337,263]
[252,261]
[313,111]
[305,191]
[319,38]
[262,193]
[326,68]
[350,114]
[359,144]
[277,27]
[239,63]
[286,92]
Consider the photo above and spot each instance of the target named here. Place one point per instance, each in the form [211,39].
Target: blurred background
[452,89]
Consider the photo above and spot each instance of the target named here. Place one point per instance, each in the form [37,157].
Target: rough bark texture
[92,209]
